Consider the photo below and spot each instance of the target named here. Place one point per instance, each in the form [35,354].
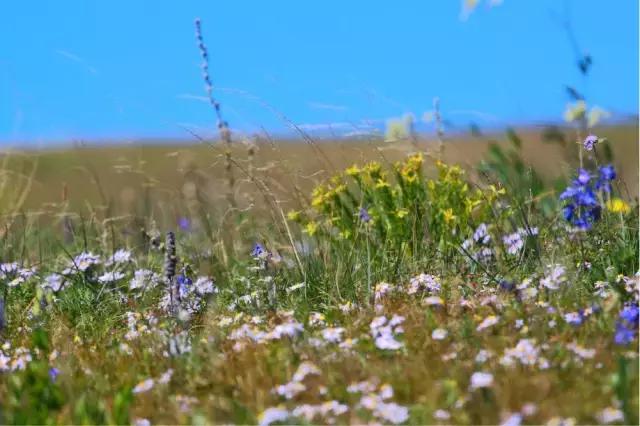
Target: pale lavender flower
[333,334]
[109,277]
[120,256]
[272,415]
[513,243]
[143,386]
[54,282]
[610,415]
[481,379]
[439,334]
[590,142]
[204,285]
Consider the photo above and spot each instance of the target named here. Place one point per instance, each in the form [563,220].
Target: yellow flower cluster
[366,199]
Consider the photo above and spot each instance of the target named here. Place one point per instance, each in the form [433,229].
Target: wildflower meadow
[411,280]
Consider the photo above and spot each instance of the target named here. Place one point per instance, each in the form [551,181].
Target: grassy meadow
[486,280]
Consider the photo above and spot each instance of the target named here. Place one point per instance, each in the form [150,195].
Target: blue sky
[81,69]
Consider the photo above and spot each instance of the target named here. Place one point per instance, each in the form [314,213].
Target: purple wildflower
[583,177]
[582,209]
[590,142]
[184,283]
[627,325]
[607,174]
[258,250]
[53,373]
[363,215]
[623,335]
[184,223]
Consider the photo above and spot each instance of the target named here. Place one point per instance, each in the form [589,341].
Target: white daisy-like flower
[272,415]
[120,256]
[439,334]
[204,285]
[109,277]
[489,321]
[610,415]
[143,386]
[441,414]
[333,334]
[54,282]
[481,379]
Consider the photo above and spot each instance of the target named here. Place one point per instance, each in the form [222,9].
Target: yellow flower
[415,161]
[293,215]
[616,205]
[381,183]
[311,228]
[345,235]
[336,180]
[471,204]
[353,171]
[318,200]
[340,189]
[448,215]
[373,168]
[495,191]
[400,213]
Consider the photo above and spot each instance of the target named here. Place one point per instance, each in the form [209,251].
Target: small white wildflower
[288,329]
[305,369]
[387,341]
[441,414]
[295,287]
[143,386]
[480,379]
[306,411]
[378,322]
[166,377]
[289,390]
[348,344]
[581,351]
[141,279]
[272,415]
[439,334]
[109,277]
[423,282]
[204,285]
[396,320]
[529,409]
[514,419]
[333,334]
[433,301]
[54,282]
[489,321]
[366,386]
[554,278]
[382,289]
[347,307]
[481,234]
[82,262]
[483,356]
[513,242]
[610,415]
[392,412]
[120,256]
